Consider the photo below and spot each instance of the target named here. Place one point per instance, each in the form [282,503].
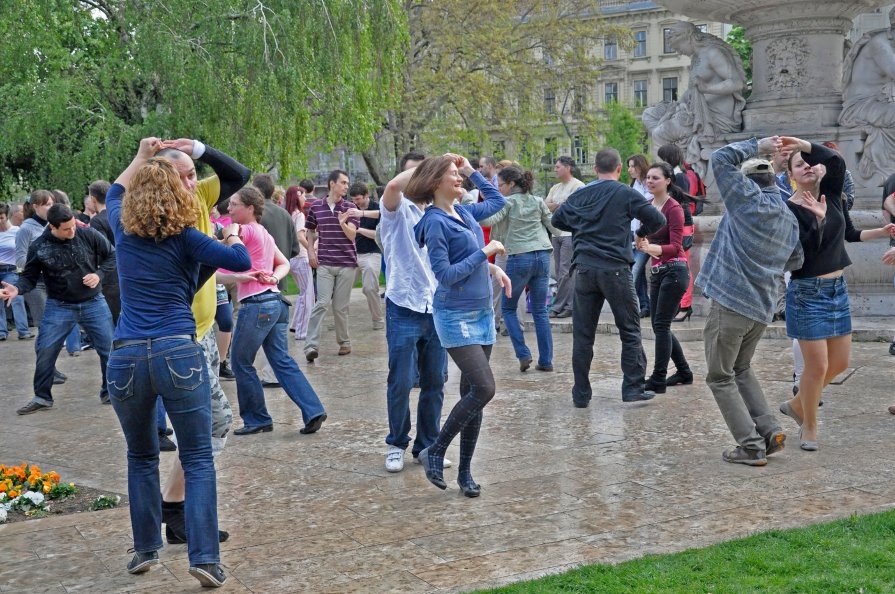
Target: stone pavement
[561,486]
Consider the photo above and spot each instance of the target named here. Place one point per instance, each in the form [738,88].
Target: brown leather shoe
[345,350]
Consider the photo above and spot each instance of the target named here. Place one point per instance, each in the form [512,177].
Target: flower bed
[28,491]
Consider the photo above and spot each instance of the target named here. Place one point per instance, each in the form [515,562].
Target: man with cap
[757,239]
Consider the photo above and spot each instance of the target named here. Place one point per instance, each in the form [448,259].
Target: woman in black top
[817,307]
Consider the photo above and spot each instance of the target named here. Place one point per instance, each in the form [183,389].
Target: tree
[82,80]
[737,40]
[622,130]
[472,72]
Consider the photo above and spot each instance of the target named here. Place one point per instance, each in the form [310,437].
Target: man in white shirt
[562,245]
[413,343]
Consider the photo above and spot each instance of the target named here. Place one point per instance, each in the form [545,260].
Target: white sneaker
[394,459]
[447,463]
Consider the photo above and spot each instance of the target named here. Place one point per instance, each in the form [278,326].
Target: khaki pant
[334,285]
[369,266]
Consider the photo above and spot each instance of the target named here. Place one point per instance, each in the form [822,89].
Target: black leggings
[476,390]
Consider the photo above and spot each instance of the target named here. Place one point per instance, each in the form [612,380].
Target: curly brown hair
[157,206]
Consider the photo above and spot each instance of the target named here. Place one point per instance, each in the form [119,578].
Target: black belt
[7,267]
[667,266]
[263,297]
[117,344]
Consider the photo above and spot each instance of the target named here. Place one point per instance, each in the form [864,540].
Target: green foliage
[737,40]
[104,502]
[850,555]
[476,69]
[82,80]
[622,130]
[62,490]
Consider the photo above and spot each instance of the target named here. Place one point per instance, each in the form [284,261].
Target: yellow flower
[46,488]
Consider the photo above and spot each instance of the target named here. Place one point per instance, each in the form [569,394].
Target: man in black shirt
[74,263]
[369,256]
[100,222]
[599,217]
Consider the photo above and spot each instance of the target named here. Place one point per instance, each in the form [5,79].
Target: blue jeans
[639,274]
[59,319]
[413,350]
[174,368]
[263,322]
[73,340]
[19,314]
[532,269]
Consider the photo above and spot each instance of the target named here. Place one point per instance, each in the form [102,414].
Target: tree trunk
[374,167]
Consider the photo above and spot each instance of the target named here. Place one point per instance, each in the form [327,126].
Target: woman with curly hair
[154,352]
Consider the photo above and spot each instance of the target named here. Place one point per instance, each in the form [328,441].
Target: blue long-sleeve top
[455,250]
[158,279]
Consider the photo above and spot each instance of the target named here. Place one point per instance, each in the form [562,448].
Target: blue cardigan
[158,279]
[455,250]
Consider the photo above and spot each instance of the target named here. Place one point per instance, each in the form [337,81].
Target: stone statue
[713,102]
[868,83]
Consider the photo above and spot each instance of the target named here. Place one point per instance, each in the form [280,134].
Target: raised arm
[391,197]
[735,188]
[493,202]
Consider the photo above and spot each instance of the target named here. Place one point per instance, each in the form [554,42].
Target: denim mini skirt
[460,327]
[817,308]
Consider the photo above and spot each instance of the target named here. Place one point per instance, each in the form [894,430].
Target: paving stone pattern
[561,486]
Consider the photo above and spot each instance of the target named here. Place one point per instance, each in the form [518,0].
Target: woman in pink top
[299,266]
[670,275]
[262,323]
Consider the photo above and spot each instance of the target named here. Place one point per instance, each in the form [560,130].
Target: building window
[640,44]
[640,93]
[611,94]
[669,89]
[579,148]
[666,41]
[610,49]
[549,101]
[550,150]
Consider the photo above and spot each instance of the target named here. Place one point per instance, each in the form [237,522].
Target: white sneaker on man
[394,459]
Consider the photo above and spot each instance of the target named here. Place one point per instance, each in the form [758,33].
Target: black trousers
[593,287]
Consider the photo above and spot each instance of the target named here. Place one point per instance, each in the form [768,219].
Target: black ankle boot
[655,385]
[468,486]
[175,523]
[681,376]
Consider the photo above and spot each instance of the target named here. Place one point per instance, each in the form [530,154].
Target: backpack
[697,188]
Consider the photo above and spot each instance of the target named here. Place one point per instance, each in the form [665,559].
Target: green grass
[292,289]
[852,555]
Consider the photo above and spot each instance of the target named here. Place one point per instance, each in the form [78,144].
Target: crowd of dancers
[155,277]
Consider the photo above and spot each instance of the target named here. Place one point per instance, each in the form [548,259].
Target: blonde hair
[157,206]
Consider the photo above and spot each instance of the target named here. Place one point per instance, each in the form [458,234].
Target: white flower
[36,497]
[2,514]
[3,496]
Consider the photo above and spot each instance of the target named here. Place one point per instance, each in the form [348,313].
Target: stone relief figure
[713,102]
[868,83]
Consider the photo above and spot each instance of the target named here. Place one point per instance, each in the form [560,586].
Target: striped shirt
[333,247]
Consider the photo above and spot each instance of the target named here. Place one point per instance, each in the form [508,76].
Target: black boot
[175,523]
[681,376]
[655,384]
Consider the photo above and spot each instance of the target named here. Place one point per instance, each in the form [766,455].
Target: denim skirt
[460,327]
[817,308]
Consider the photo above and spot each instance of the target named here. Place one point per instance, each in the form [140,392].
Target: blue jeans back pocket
[120,380]
[185,370]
